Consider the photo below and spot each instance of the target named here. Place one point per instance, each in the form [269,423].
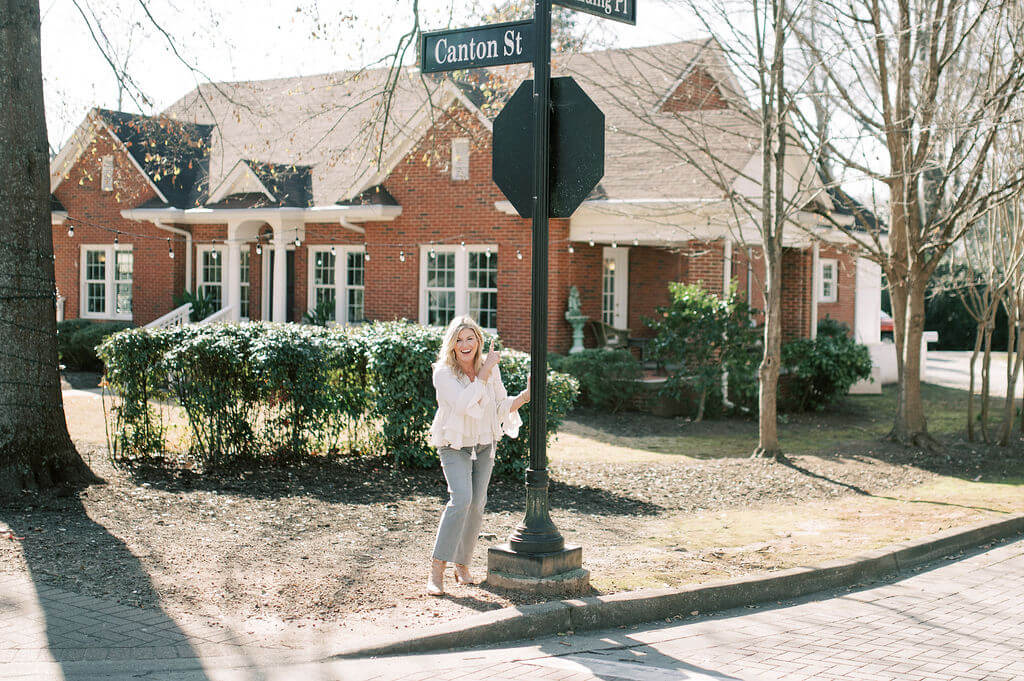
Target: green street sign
[472,48]
[617,10]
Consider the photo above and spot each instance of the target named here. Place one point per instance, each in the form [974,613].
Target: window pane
[440,307]
[356,269]
[95,265]
[483,306]
[213,293]
[123,264]
[483,270]
[323,269]
[441,270]
[327,294]
[211,267]
[608,292]
[123,304]
[243,302]
[96,297]
[243,277]
[355,305]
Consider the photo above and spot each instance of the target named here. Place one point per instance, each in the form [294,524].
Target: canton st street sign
[470,48]
[618,10]
[577,148]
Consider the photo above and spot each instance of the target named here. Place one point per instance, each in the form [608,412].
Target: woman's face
[466,346]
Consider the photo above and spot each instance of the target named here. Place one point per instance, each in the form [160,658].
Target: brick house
[273,196]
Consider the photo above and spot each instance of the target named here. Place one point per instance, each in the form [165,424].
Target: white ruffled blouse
[471,412]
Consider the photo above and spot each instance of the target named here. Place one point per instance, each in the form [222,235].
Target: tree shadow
[69,557]
[373,480]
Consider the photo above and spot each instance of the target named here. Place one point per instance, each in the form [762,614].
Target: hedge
[285,390]
[77,340]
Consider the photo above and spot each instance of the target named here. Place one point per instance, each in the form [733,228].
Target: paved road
[958,619]
[953,370]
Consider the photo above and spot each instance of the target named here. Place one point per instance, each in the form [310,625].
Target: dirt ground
[346,542]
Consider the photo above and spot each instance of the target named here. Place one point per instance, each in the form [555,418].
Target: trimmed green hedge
[77,340]
[284,390]
[820,371]
[608,378]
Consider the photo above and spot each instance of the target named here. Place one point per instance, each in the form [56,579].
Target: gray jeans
[467,486]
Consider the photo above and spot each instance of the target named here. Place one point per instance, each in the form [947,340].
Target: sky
[258,39]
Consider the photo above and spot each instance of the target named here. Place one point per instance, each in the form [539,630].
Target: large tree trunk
[910,426]
[35,449]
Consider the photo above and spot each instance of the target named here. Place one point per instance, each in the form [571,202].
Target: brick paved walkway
[960,620]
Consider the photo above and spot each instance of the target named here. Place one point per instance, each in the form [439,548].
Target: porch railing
[176,317]
[222,315]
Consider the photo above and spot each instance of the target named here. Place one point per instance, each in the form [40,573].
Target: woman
[473,411]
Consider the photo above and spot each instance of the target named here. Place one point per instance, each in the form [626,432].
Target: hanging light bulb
[487,252]
[636,242]
[71,231]
[463,244]
[298,242]
[571,249]
[259,248]
[170,250]
[333,252]
[614,245]
[519,254]
[366,254]
[401,256]
[591,243]
[432,254]
[116,240]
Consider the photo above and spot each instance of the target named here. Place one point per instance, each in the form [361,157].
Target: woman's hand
[491,361]
[523,397]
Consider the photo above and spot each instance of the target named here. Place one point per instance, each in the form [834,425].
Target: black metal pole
[537,534]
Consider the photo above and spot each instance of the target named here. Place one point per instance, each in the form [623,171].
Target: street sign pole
[537,533]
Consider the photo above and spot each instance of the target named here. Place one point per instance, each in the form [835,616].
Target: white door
[615,287]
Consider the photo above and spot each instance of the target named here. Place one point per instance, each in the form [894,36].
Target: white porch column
[233,296]
[815,287]
[279,301]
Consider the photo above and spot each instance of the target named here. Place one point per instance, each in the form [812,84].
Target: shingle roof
[174,154]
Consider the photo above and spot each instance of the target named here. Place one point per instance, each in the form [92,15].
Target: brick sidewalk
[960,620]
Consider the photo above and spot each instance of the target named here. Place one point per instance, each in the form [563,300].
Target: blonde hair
[446,355]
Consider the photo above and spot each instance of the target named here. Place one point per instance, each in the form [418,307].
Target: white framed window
[615,286]
[107,173]
[210,274]
[338,275]
[460,158]
[457,280]
[243,284]
[828,278]
[106,281]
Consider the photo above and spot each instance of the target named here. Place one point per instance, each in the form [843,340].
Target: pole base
[559,573]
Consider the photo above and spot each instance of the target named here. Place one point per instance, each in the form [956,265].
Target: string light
[401,256]
[366,253]
[614,245]
[591,243]
[170,250]
[116,240]
[463,244]
[333,252]
[571,249]
[519,254]
[487,252]
[71,231]
[259,248]
[298,242]
[432,254]
[636,242]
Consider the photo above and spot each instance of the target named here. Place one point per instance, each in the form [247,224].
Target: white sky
[252,40]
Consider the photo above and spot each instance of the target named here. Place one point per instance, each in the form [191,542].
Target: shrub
[607,378]
[698,336]
[820,371]
[77,340]
[513,455]
[202,306]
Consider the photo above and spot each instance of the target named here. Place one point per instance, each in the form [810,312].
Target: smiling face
[467,347]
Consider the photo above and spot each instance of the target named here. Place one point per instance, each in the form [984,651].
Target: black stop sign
[577,148]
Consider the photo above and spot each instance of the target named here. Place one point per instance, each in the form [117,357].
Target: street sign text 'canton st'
[472,48]
[619,10]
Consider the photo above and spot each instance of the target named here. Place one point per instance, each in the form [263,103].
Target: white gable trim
[242,178]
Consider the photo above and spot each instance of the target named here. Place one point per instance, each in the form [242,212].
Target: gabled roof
[274,184]
[173,154]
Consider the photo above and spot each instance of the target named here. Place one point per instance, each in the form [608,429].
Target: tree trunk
[979,335]
[768,372]
[1013,367]
[35,448]
[986,383]
[910,426]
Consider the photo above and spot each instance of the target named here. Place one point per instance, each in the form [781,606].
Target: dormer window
[460,158]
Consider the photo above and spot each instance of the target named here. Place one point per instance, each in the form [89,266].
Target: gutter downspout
[726,282]
[348,225]
[188,250]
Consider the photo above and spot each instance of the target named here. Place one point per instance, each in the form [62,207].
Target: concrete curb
[635,607]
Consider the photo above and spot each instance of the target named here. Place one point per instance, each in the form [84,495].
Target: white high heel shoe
[435,582]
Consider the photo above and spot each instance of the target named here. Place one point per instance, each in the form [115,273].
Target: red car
[886,325]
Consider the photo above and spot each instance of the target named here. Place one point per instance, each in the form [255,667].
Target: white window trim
[107,173]
[461,275]
[110,290]
[822,263]
[222,255]
[244,284]
[341,287]
[621,256]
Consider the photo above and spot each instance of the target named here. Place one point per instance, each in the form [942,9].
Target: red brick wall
[844,309]
[697,91]
[94,213]
[796,292]
[650,270]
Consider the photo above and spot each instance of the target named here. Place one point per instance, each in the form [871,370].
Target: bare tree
[35,448]
[927,86]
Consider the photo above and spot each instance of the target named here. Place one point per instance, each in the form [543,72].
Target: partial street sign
[619,10]
[577,148]
[471,48]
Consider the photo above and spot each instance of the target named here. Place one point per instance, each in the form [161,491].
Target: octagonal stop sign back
[577,148]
